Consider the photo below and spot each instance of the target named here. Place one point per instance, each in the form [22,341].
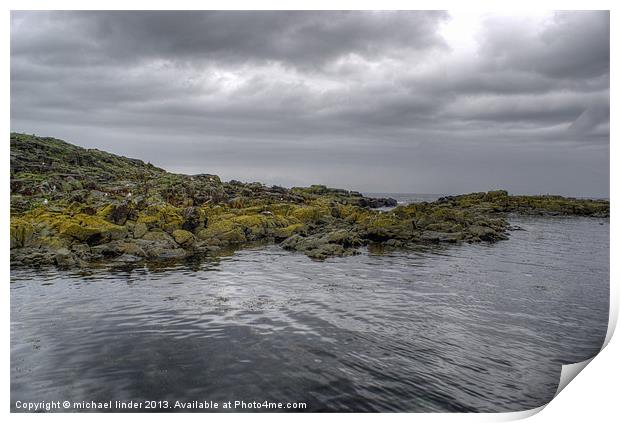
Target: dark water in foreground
[467,328]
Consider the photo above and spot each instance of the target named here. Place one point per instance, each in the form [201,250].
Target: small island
[72,207]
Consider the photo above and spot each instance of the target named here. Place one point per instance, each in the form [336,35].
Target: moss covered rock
[70,205]
[22,233]
[183,237]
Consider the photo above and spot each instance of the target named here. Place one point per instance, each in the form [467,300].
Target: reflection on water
[466,328]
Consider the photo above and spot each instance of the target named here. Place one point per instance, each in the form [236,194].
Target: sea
[461,328]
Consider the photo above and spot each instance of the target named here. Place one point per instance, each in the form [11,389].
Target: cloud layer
[375,101]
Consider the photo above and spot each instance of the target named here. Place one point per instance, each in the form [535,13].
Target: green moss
[280,209]
[65,196]
[224,230]
[106,211]
[22,233]
[290,230]
[166,217]
[131,248]
[140,229]
[250,221]
[75,230]
[158,235]
[79,226]
[310,214]
[183,237]
[53,243]
[386,226]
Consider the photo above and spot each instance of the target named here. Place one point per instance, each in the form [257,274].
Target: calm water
[466,328]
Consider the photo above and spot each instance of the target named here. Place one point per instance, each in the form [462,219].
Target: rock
[310,214]
[81,233]
[321,246]
[65,198]
[433,236]
[22,233]
[282,233]
[80,248]
[344,237]
[375,203]
[158,216]
[225,231]
[482,232]
[183,237]
[127,258]
[394,243]
[193,219]
[166,253]
[205,247]
[139,230]
[160,237]
[301,243]
[91,229]
[326,250]
[106,250]
[64,258]
[119,214]
[131,248]
[33,256]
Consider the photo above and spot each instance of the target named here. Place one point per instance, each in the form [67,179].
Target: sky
[378,101]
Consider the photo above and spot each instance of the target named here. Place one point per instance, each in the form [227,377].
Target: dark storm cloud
[376,101]
[295,38]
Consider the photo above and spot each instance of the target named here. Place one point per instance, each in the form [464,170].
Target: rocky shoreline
[74,207]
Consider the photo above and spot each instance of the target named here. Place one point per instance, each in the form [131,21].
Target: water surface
[480,327]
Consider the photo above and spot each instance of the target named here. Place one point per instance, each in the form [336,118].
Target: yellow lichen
[288,231]
[22,233]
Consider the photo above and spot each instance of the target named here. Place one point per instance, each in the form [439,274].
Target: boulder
[119,214]
[64,258]
[482,232]
[193,219]
[183,237]
[22,233]
[160,237]
[139,230]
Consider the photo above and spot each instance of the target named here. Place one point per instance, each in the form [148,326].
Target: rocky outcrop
[539,205]
[73,207]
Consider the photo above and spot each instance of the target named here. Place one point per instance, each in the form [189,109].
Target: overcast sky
[426,102]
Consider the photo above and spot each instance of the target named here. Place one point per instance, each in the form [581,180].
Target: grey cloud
[573,44]
[296,38]
[373,101]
